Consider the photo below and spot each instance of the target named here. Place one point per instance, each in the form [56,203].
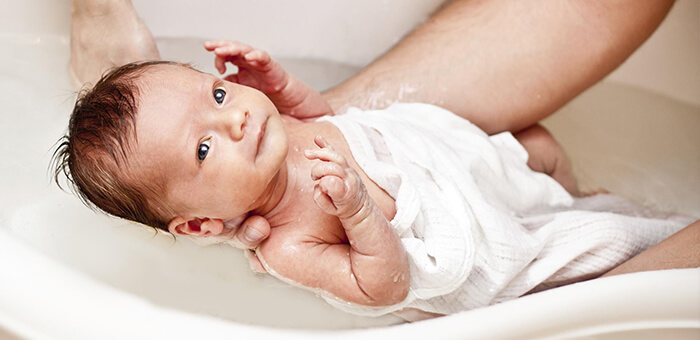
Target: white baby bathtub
[69,273]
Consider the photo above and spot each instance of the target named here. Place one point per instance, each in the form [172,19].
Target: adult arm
[504,65]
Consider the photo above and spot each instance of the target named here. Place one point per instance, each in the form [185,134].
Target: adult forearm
[504,65]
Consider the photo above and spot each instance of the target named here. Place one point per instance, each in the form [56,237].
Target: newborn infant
[378,211]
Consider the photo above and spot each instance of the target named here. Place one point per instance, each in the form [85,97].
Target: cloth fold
[480,226]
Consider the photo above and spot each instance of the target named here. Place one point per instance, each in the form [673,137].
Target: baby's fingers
[220,64]
[323,201]
[227,45]
[213,44]
[333,186]
[326,155]
[338,197]
[326,191]
[327,169]
[232,50]
[258,58]
[322,142]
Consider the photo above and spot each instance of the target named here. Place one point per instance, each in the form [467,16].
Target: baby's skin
[222,152]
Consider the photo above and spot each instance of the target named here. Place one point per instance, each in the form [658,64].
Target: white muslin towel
[480,226]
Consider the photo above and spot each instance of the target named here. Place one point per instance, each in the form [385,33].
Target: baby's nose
[236,120]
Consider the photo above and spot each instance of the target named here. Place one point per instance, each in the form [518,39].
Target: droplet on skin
[296,149]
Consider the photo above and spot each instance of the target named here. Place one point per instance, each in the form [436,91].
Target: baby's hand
[255,67]
[339,190]
[257,70]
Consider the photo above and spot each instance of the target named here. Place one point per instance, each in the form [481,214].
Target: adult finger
[252,232]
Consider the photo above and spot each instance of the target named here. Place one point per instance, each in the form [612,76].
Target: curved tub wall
[569,312]
[635,152]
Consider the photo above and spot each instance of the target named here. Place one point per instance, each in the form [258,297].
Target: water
[634,143]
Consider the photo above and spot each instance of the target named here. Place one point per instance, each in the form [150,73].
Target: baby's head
[165,145]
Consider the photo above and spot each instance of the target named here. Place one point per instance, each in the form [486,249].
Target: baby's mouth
[261,134]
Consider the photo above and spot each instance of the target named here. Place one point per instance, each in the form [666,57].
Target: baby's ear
[195,226]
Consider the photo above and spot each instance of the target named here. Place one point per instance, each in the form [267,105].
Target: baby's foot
[105,35]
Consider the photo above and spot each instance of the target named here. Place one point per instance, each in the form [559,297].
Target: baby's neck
[272,197]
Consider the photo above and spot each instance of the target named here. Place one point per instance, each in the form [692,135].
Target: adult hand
[249,235]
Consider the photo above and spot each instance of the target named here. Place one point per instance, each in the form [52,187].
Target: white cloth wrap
[478,225]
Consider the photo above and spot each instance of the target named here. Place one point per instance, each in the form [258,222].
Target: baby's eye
[203,150]
[219,94]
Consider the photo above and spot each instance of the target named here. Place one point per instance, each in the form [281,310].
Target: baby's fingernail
[252,235]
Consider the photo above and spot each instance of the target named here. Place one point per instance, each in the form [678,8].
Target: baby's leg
[104,34]
[547,156]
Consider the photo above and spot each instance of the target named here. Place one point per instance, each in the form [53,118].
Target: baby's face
[215,145]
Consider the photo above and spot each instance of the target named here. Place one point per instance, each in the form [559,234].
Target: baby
[378,211]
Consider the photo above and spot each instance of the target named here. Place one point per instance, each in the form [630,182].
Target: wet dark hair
[93,154]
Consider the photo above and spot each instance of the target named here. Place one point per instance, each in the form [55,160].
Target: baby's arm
[257,70]
[373,268]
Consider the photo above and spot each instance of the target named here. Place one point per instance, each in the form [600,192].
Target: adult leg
[505,65]
[680,250]
[104,34]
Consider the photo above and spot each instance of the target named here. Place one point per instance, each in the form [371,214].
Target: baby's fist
[339,190]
